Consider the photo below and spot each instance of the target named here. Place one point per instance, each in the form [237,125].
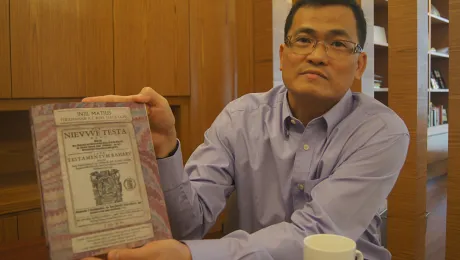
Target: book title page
[102,176]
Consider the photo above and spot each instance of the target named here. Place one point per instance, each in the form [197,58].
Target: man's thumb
[125,254]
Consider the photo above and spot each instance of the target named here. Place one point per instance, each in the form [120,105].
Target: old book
[437,74]
[98,178]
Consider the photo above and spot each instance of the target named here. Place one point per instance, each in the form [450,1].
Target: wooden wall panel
[23,104]
[254,46]
[29,249]
[213,63]
[8,229]
[263,45]
[152,46]
[61,48]
[453,181]
[181,109]
[18,192]
[263,30]
[213,68]
[30,225]
[244,46]
[254,41]
[408,38]
[15,143]
[5,68]
[263,76]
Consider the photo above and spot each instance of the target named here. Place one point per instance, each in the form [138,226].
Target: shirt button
[306,147]
[293,121]
[300,186]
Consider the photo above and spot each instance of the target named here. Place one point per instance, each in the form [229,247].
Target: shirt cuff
[208,249]
[171,170]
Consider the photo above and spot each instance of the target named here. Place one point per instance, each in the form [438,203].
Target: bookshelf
[407,95]
[438,87]
[381,86]
[438,73]
[420,39]
[453,180]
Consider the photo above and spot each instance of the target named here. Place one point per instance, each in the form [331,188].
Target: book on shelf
[439,79]
[98,178]
[378,81]
[434,10]
[380,36]
[437,115]
[433,82]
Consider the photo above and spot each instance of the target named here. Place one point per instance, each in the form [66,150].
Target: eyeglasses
[335,49]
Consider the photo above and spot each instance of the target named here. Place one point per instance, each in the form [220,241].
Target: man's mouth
[313,74]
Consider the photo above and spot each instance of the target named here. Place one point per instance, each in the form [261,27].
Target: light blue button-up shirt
[292,181]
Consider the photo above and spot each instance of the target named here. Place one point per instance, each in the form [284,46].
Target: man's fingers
[127,254]
[109,98]
[147,95]
[154,97]
[140,98]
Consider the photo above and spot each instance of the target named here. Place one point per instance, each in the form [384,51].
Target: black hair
[361,24]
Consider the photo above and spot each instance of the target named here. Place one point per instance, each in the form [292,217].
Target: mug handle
[359,255]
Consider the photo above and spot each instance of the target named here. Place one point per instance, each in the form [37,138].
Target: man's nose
[319,54]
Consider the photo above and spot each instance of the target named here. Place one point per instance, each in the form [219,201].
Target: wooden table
[35,249]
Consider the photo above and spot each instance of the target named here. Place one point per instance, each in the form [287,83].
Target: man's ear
[281,51]
[362,64]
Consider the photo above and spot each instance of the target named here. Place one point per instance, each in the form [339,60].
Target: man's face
[325,23]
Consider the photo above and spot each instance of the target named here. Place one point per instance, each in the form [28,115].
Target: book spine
[37,172]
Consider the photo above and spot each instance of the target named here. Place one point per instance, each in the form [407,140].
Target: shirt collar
[332,117]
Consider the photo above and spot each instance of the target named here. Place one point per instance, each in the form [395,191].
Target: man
[305,158]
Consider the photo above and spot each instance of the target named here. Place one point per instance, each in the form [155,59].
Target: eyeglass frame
[356,49]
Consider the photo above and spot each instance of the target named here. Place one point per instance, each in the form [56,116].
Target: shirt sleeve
[196,194]
[344,203]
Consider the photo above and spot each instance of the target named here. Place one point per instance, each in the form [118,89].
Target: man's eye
[338,44]
[304,40]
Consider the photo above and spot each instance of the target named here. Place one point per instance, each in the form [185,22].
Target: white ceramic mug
[330,247]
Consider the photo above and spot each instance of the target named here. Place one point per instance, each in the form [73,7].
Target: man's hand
[157,250]
[162,121]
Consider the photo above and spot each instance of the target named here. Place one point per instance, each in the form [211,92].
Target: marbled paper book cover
[98,178]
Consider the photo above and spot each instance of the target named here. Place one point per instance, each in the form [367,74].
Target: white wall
[280,11]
